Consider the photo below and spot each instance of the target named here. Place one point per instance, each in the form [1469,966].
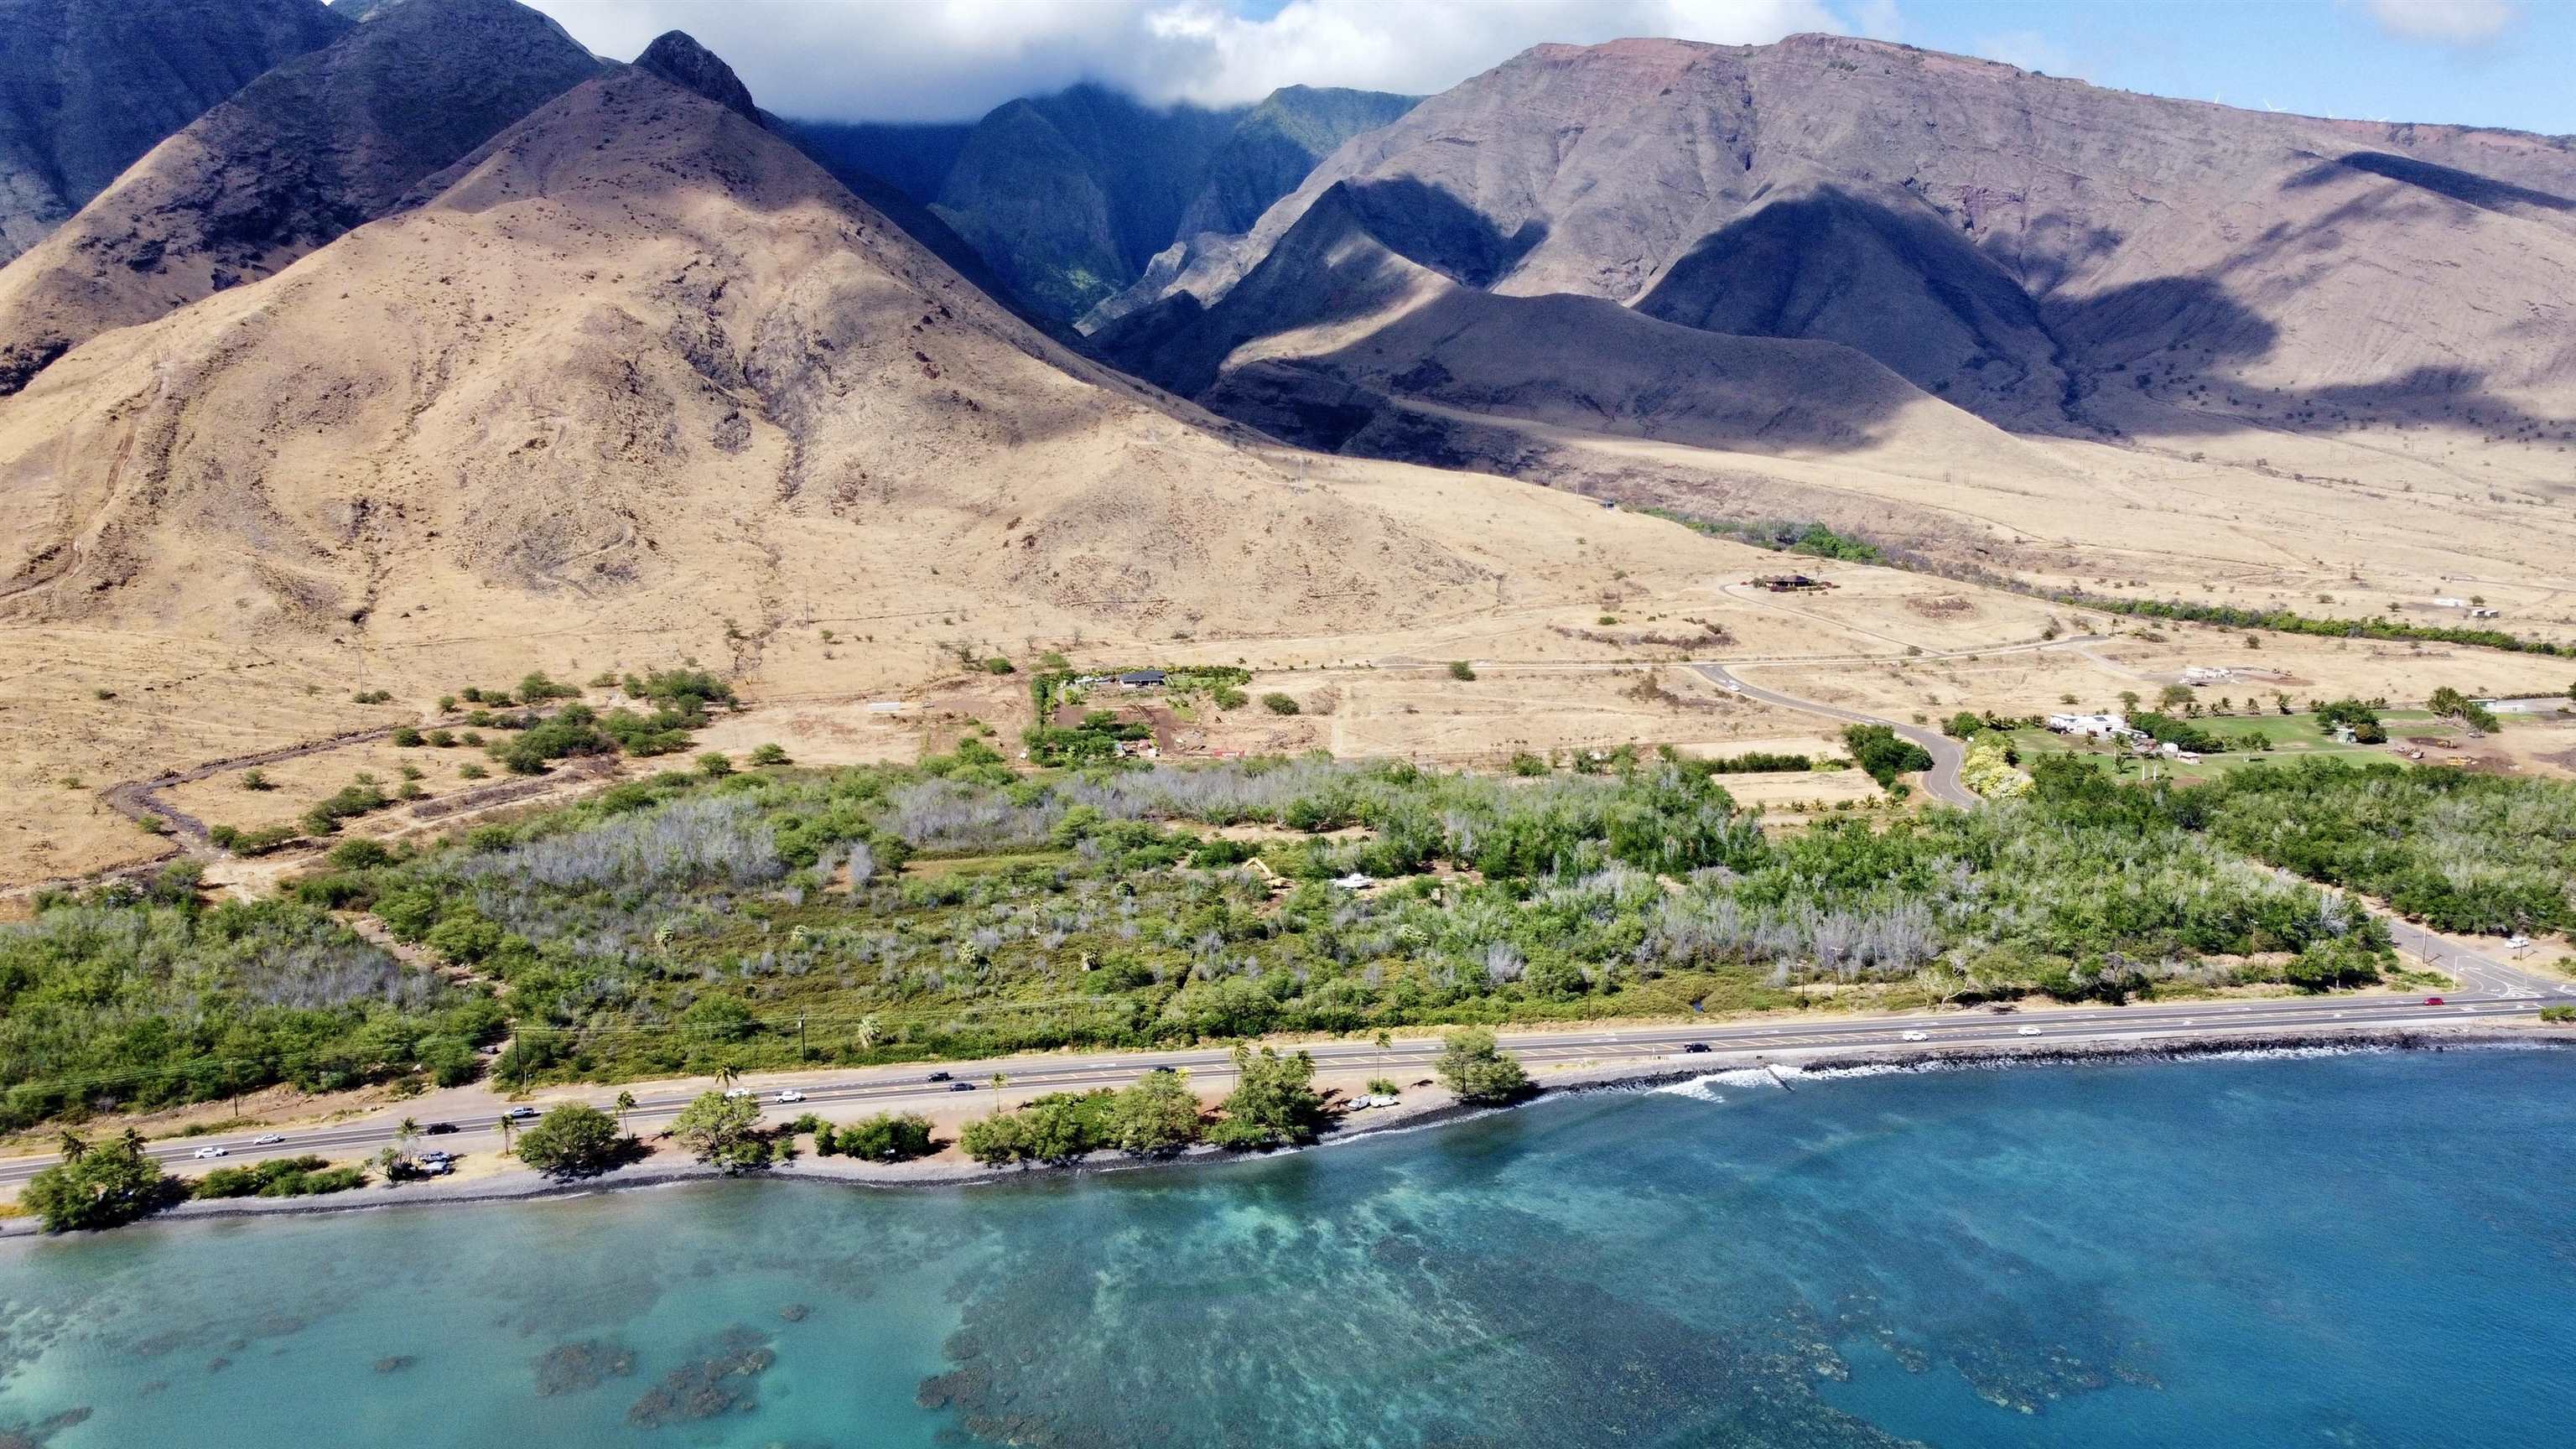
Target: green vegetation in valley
[2285,621]
[690,924]
[2458,850]
[1812,539]
[143,997]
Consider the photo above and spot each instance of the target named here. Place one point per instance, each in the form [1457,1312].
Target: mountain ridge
[88,86]
[1849,191]
[323,143]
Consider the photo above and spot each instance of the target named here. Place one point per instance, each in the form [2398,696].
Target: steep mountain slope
[86,86]
[2055,257]
[912,157]
[676,56]
[1069,197]
[1276,145]
[635,369]
[317,146]
[1336,334]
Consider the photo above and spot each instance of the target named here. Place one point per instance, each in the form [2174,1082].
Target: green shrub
[1274,1101]
[1460,669]
[1278,703]
[769,754]
[884,1137]
[1881,752]
[98,1186]
[574,1140]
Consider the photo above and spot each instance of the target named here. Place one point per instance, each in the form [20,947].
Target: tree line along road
[897,1088]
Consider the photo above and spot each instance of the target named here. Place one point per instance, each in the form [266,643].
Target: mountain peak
[677,57]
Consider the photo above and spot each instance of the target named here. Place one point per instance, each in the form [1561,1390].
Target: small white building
[2101,727]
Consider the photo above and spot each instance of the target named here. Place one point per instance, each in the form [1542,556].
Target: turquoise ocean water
[2368,1251]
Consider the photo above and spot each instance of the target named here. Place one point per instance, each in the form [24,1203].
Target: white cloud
[2028,49]
[2446,22]
[952,59]
[1878,19]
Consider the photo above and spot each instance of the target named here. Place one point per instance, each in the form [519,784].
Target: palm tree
[998,1082]
[507,1126]
[1383,1039]
[406,1132]
[726,1076]
[75,1147]
[625,1104]
[131,1141]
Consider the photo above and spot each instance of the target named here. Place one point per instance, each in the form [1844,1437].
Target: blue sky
[2451,61]
[2476,62]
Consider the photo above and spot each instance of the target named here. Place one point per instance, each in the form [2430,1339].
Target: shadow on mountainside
[1425,224]
[2466,187]
[1589,364]
[1910,289]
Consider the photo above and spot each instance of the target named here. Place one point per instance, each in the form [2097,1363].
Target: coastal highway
[1409,1059]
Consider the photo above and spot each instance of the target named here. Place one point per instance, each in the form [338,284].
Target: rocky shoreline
[948,1171]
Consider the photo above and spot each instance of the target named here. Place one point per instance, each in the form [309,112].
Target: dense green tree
[574,1140]
[98,1185]
[1474,1068]
[723,1130]
[1274,1101]
[1158,1114]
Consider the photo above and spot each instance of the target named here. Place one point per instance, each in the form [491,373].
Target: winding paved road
[1941,781]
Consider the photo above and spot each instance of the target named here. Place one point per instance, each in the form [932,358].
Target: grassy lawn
[2288,737]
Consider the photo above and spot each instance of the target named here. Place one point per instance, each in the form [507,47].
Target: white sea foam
[1707,1088]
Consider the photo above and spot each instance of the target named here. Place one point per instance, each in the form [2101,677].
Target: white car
[791,1095]
[520,1114]
[266,1139]
[1918,1036]
[2027,1031]
[732,1093]
[209,1152]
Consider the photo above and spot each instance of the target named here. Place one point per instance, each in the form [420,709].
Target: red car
[2432,1001]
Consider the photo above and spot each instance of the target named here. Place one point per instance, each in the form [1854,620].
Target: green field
[2286,737]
